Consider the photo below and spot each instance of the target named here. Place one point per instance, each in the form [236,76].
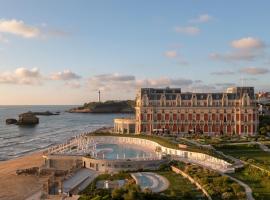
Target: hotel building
[169,110]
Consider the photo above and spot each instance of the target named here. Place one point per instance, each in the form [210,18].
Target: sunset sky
[64,51]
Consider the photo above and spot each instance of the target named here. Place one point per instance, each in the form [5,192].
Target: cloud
[182,62]
[188,30]
[248,79]
[73,84]
[21,29]
[3,39]
[109,82]
[225,72]
[18,27]
[202,19]
[244,49]
[114,77]
[22,76]
[248,43]
[171,54]
[236,56]
[254,70]
[225,85]
[163,82]
[116,82]
[66,75]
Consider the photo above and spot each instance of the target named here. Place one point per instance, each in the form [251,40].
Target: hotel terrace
[168,110]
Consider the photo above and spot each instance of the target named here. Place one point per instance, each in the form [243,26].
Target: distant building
[263,100]
[170,110]
[263,97]
[124,125]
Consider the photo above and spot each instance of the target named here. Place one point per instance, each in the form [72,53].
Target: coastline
[20,187]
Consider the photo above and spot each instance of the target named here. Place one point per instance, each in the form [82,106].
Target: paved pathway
[248,190]
[261,145]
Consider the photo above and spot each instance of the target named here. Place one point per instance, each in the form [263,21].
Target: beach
[20,187]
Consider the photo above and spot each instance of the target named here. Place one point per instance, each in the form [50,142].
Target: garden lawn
[181,187]
[258,181]
[248,152]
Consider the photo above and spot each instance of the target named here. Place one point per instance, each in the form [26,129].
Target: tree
[227,195]
[263,131]
[118,193]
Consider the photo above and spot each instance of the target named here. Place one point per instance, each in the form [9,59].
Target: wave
[16,141]
[15,136]
[23,152]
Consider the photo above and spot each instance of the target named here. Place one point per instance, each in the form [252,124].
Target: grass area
[181,187]
[91,192]
[247,152]
[217,185]
[169,142]
[264,125]
[258,181]
[215,140]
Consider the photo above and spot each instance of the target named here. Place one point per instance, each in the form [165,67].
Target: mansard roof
[232,96]
[201,96]
[186,96]
[171,94]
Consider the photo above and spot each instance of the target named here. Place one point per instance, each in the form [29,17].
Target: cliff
[106,107]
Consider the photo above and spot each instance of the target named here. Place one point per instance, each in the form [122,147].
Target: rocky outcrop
[28,171]
[46,113]
[11,121]
[28,118]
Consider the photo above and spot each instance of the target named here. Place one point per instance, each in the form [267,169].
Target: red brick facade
[209,113]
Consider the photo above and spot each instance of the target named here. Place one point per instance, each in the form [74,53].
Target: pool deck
[152,181]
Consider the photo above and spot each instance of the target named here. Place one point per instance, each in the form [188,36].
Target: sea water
[17,141]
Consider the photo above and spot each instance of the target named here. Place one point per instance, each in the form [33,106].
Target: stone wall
[109,166]
[61,162]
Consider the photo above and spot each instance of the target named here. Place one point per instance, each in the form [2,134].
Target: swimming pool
[118,151]
[150,180]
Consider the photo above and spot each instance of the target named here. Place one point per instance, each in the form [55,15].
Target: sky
[64,51]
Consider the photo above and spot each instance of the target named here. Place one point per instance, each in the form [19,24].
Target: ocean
[16,141]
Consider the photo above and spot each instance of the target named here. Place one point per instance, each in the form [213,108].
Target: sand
[14,187]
